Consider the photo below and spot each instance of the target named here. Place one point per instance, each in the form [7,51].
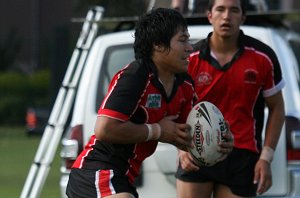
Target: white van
[112,51]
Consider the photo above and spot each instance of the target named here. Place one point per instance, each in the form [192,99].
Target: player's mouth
[186,60]
[225,26]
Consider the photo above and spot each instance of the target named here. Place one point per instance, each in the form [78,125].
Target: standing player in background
[239,74]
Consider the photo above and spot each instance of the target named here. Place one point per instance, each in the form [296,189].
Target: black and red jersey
[136,94]
[238,87]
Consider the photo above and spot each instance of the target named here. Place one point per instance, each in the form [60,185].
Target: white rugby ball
[207,125]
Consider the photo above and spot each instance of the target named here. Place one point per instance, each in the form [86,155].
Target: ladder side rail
[47,159]
[80,42]
[36,190]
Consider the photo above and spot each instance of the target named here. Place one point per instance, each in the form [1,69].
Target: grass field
[17,152]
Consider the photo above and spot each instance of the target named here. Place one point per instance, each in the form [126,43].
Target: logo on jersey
[203,78]
[153,101]
[250,76]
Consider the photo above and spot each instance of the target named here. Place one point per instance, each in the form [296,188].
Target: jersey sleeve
[274,81]
[124,93]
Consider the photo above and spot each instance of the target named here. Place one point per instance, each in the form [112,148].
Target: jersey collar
[156,82]
[206,55]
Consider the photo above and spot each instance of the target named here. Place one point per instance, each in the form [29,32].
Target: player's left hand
[186,161]
[227,145]
[262,176]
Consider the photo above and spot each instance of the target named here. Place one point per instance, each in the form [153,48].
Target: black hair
[156,27]
[244,5]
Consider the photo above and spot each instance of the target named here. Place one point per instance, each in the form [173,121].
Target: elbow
[100,133]
[106,129]
[101,130]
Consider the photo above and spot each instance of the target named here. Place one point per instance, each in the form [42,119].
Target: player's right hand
[175,133]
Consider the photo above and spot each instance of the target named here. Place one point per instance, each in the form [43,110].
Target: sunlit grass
[17,151]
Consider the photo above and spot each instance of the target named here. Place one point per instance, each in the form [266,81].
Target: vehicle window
[295,44]
[115,58]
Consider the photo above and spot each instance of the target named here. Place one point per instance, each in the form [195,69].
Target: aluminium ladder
[62,107]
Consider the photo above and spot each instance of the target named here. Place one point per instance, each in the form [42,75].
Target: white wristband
[267,154]
[157,131]
[154,131]
[150,132]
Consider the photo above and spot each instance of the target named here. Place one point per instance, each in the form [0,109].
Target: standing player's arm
[262,172]
[275,105]
[275,120]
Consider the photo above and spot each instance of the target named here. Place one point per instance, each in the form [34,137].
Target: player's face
[226,17]
[176,58]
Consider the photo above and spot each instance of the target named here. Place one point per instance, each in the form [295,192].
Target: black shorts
[236,172]
[96,184]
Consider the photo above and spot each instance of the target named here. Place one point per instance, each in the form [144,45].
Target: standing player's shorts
[96,184]
[236,172]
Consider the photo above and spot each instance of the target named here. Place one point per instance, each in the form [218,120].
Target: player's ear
[243,19]
[208,14]
[158,48]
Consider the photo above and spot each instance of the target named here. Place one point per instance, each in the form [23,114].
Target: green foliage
[19,91]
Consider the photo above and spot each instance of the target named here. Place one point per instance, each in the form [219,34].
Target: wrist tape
[267,154]
[154,131]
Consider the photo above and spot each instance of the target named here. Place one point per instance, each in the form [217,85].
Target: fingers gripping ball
[207,125]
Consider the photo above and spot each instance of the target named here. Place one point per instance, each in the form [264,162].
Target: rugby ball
[207,125]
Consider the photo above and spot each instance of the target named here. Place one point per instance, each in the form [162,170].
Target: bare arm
[275,120]
[114,131]
[263,174]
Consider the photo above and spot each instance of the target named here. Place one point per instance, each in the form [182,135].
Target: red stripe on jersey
[133,167]
[88,148]
[139,155]
[142,95]
[112,86]
[112,114]
[103,183]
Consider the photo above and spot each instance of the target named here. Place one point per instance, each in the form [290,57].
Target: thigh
[193,189]
[222,191]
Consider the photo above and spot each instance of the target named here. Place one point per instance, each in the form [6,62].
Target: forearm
[274,126]
[115,131]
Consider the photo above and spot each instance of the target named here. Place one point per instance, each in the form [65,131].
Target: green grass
[17,151]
